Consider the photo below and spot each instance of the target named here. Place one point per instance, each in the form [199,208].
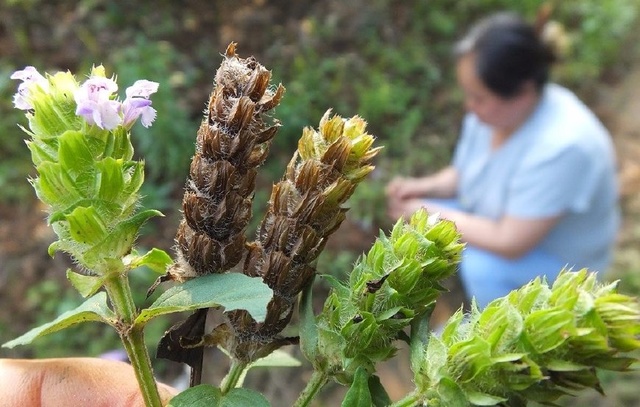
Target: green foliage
[208,396]
[231,291]
[94,309]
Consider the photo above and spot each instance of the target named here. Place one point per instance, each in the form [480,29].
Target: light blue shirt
[561,161]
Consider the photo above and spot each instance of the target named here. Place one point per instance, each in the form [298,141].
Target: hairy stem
[410,400]
[318,380]
[133,338]
[235,373]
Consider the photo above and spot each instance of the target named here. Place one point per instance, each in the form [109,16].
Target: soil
[24,236]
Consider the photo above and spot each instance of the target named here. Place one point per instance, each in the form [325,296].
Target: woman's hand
[71,382]
[397,209]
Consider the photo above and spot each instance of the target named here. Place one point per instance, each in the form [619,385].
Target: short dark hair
[508,52]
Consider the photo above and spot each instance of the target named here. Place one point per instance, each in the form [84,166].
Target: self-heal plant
[87,178]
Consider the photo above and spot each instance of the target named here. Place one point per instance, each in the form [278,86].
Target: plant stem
[231,379]
[132,337]
[410,400]
[318,380]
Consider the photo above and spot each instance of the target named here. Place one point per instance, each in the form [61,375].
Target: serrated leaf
[432,360]
[86,285]
[54,186]
[93,309]
[156,259]
[231,291]
[203,395]
[358,394]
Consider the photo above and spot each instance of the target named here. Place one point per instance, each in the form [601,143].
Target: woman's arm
[442,184]
[509,237]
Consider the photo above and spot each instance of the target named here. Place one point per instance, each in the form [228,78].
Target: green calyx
[538,343]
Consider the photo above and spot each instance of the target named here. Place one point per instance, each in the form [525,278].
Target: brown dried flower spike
[233,140]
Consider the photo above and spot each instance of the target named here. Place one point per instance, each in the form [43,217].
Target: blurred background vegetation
[386,60]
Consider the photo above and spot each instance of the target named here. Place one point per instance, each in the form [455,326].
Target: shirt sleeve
[553,184]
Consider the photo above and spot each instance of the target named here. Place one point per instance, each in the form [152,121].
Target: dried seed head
[232,141]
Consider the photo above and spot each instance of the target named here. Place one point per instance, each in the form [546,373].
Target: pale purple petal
[148,116]
[29,75]
[94,102]
[137,103]
[107,115]
[96,88]
[21,98]
[142,88]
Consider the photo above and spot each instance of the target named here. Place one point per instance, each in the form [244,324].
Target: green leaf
[432,361]
[86,285]
[203,395]
[308,327]
[484,399]
[451,394]
[231,291]
[243,397]
[419,338]
[358,394]
[558,365]
[93,309]
[548,329]
[156,259]
[379,396]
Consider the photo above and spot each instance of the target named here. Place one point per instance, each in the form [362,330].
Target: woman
[533,177]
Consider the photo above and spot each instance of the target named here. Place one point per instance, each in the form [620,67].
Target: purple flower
[94,102]
[28,76]
[137,103]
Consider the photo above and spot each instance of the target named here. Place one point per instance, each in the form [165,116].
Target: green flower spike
[538,343]
[392,287]
[397,280]
[86,175]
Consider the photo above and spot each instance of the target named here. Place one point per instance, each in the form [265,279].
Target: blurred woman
[532,185]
